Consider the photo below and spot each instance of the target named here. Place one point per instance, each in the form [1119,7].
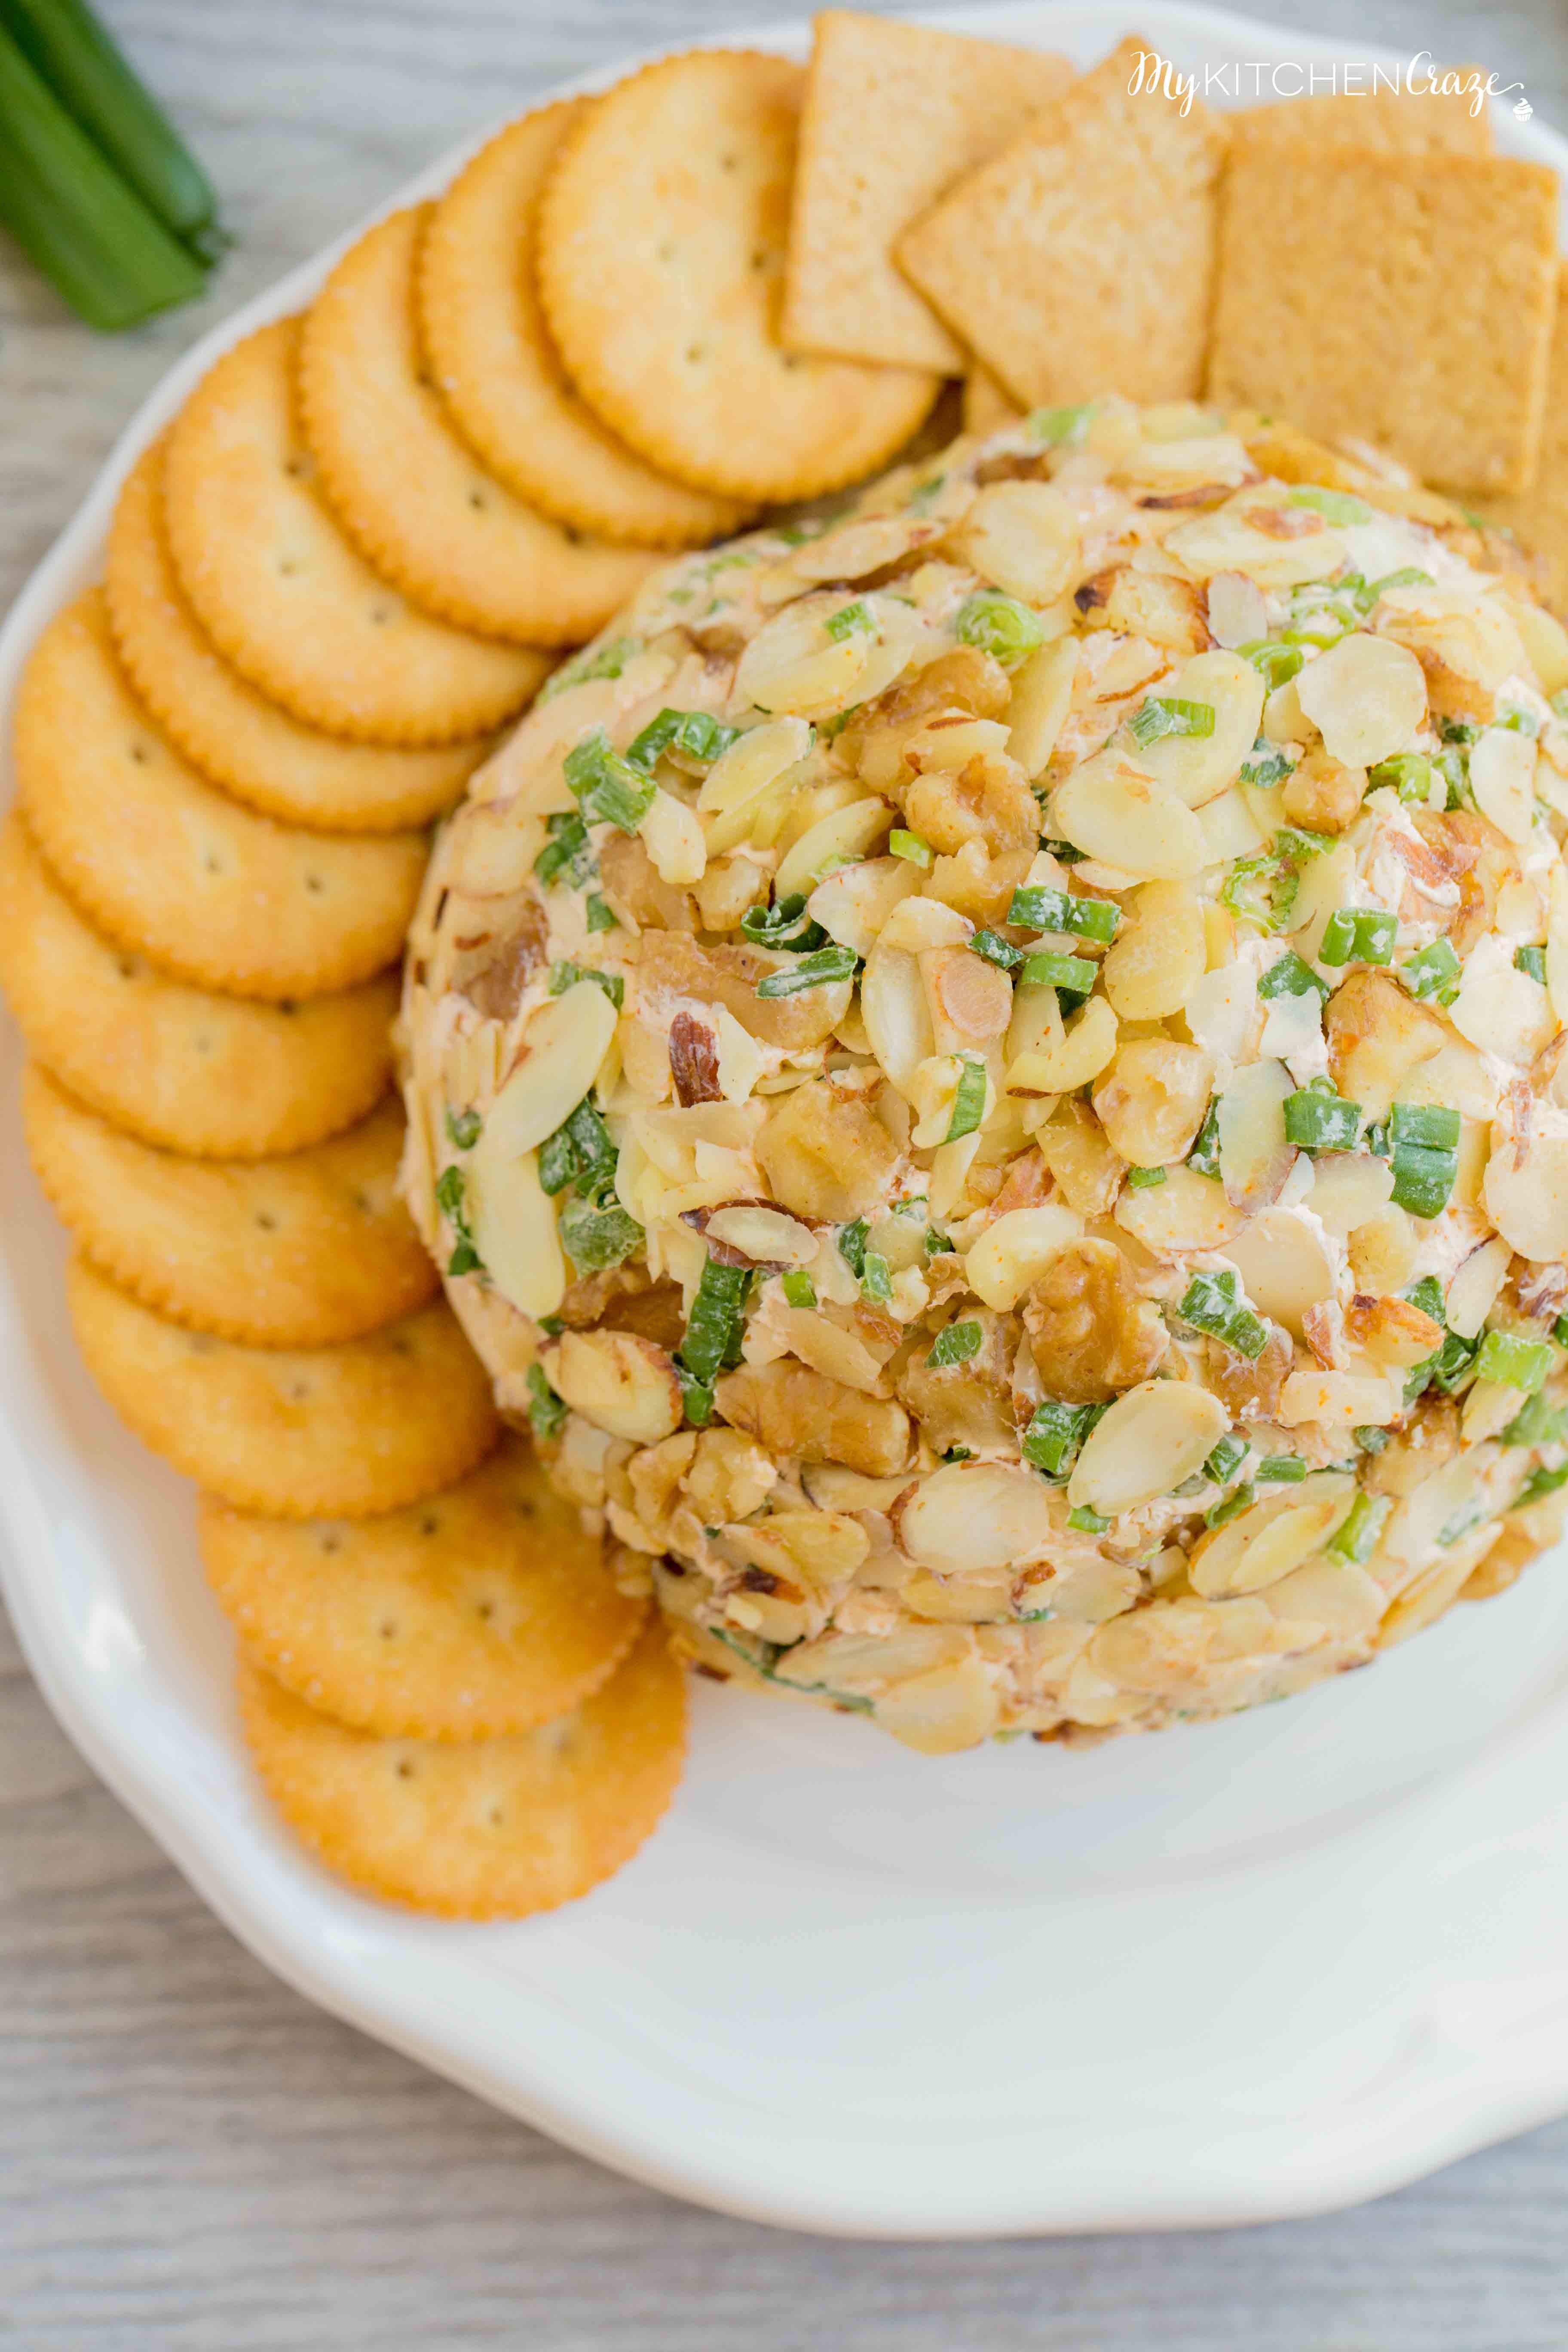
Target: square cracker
[1394,122]
[1540,519]
[1080,260]
[894,113]
[1407,299]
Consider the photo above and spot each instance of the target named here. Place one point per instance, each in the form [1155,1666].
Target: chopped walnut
[1324,793]
[1090,1333]
[826,1154]
[1418,1452]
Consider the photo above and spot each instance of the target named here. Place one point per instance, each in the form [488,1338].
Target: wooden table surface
[190,2156]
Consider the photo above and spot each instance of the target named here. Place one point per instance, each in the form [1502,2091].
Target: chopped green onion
[1143,1180]
[1408,773]
[608,789]
[600,661]
[1287,975]
[1522,1363]
[597,915]
[1230,1507]
[876,1279]
[1315,1121]
[852,1246]
[847,620]
[694,734]
[1359,1532]
[566,851]
[1162,715]
[1370,1437]
[1054,1439]
[996,949]
[451,1201]
[1334,506]
[563,974]
[595,1234]
[799,1289]
[1539,1483]
[910,846]
[1532,961]
[955,1343]
[579,1153]
[998,625]
[1276,664]
[1204,1153]
[969,1101]
[1088,1522]
[1210,1304]
[463,1128]
[1432,973]
[1423,1151]
[937,1244]
[717,1319]
[1226,1458]
[1408,576]
[785,925]
[1359,935]
[1074,975]
[1265,765]
[1427,1295]
[821,969]
[1536,1423]
[1282,1470]
[1038,907]
[1054,427]
[546,1410]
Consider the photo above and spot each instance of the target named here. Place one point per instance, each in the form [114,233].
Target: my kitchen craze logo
[1156,77]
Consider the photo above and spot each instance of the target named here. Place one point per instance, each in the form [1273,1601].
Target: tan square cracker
[181,1066]
[1408,299]
[288,598]
[501,375]
[171,866]
[300,1433]
[1399,121]
[1080,260]
[253,748]
[296,1251]
[471,1615]
[894,113]
[661,246]
[492,1829]
[1540,519]
[410,492]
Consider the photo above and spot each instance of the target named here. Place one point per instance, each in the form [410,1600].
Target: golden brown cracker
[296,1252]
[1540,519]
[180,1066]
[300,1433]
[251,747]
[1406,299]
[1398,119]
[894,113]
[472,1615]
[165,864]
[493,362]
[491,1829]
[662,233]
[1080,260]
[285,595]
[409,493]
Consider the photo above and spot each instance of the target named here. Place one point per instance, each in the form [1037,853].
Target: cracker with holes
[366,1426]
[295,1252]
[494,365]
[1082,255]
[285,595]
[180,1066]
[491,1829]
[894,113]
[661,250]
[412,494]
[472,1615]
[166,865]
[252,746]
[1415,311]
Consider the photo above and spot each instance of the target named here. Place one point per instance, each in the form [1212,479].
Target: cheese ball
[986,1074]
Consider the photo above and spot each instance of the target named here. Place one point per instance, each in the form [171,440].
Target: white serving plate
[1256,1968]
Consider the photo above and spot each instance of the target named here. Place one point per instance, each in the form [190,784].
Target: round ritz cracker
[181,1066]
[281,591]
[491,1829]
[472,1615]
[662,236]
[411,494]
[161,862]
[296,1252]
[495,367]
[251,747]
[300,1433]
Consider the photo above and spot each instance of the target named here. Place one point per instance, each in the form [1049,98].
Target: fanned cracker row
[299,1250]
[411,494]
[472,1615]
[180,1066]
[490,1829]
[285,594]
[492,360]
[1082,255]
[1408,299]
[893,114]
[251,747]
[304,1432]
[172,867]
[661,255]
[1394,122]
[1541,521]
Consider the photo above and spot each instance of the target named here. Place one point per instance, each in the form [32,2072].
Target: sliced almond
[1042,697]
[1285,1267]
[1254,1157]
[1114,810]
[1152,1438]
[1015,1248]
[1023,537]
[1198,768]
[1365,696]
[1502,777]
[976,1515]
[851,832]
[621,1383]
[564,1043]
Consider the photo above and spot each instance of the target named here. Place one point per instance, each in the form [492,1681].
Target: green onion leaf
[1226,1459]
[463,1127]
[1230,1507]
[694,735]
[785,925]
[1536,1423]
[597,915]
[996,949]
[1334,506]
[1210,1304]
[1358,1533]
[566,852]
[852,1246]
[820,968]
[1142,1180]
[998,625]
[1522,1363]
[1287,975]
[1315,1121]
[1408,773]
[1074,975]
[608,789]
[1281,1470]
[1088,1522]
[1204,1153]
[1539,1483]
[1054,1439]
[1359,935]
[955,1344]
[799,1289]
[1265,765]
[546,1410]
[1161,715]
[717,1319]
[875,1279]
[1038,907]
[969,1101]
[1059,427]
[1274,664]
[909,845]
[563,974]
[595,1235]
[847,620]
[451,1201]
[1432,973]
[1408,576]
[1532,961]
[593,661]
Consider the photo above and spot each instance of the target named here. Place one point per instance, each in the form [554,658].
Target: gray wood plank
[190,2156]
